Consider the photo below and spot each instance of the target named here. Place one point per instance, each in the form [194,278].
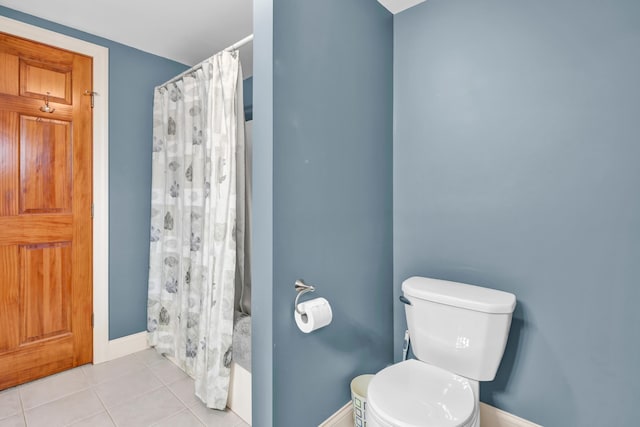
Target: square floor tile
[149,356]
[125,388]
[14,421]
[167,372]
[100,420]
[65,411]
[102,372]
[52,388]
[185,389]
[147,409]
[10,403]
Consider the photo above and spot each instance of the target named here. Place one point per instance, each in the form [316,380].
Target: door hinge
[92,95]
[92,319]
[93,209]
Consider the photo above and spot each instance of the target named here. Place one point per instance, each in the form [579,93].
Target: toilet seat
[416,394]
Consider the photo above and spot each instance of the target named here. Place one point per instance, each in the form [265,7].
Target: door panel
[38,79]
[45,165]
[45,291]
[45,211]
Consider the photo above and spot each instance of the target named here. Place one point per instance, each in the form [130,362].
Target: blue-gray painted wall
[132,76]
[332,200]
[516,150]
[247,96]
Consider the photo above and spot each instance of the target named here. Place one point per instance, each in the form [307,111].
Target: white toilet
[458,333]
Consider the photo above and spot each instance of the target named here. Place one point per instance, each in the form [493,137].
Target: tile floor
[140,390]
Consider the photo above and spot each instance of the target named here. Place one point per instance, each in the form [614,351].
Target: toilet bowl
[416,394]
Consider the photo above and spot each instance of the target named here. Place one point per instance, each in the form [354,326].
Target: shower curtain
[197,221]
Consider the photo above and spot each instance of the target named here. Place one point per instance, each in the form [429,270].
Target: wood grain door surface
[45,210]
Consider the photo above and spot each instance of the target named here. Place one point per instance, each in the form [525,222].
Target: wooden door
[45,210]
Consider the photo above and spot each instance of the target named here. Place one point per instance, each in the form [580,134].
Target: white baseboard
[342,418]
[494,417]
[124,346]
[239,400]
[489,417]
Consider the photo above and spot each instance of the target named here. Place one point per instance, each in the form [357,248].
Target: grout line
[86,418]
[44,380]
[176,395]
[91,415]
[133,397]
[175,413]
[240,421]
[105,366]
[161,386]
[199,402]
[106,409]
[22,411]
[6,392]
[178,413]
[155,361]
[164,382]
[55,399]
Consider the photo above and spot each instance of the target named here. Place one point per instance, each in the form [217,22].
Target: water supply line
[405,345]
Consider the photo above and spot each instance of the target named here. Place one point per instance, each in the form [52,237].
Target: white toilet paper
[316,314]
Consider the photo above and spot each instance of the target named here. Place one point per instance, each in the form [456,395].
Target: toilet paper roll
[316,314]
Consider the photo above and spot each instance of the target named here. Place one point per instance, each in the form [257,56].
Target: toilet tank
[458,327]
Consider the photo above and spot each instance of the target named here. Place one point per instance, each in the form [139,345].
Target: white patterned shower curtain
[197,221]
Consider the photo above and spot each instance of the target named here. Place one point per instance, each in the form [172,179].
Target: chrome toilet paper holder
[301,288]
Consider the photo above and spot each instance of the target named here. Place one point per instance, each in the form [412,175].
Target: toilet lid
[416,394]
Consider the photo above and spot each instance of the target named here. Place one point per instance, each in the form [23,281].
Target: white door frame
[100,55]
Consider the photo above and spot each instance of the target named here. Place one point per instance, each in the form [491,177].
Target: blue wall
[332,201]
[132,76]
[516,167]
[247,96]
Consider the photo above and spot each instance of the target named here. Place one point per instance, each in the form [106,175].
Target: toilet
[458,335]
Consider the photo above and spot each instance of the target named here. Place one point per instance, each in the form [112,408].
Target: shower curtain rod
[240,43]
[237,45]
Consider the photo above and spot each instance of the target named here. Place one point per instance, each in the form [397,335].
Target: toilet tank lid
[459,295]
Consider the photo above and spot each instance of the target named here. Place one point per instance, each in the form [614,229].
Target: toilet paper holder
[301,288]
